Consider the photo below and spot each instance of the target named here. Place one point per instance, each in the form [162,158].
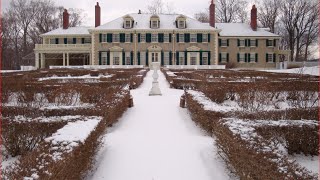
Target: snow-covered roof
[167,22]
[242,29]
[80,30]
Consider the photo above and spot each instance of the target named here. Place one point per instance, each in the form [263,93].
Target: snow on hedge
[75,77]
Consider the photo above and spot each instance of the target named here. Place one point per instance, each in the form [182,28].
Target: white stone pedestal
[155,90]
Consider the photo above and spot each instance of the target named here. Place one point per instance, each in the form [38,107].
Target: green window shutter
[219,42]
[267,44]
[246,42]
[228,42]
[249,55]
[108,58]
[257,42]
[170,58]
[187,37]
[99,58]
[160,37]
[170,37]
[209,37]
[109,38]
[65,40]
[139,40]
[177,58]
[256,57]
[266,57]
[162,58]
[220,58]
[82,40]
[249,42]
[177,37]
[209,58]
[138,58]
[199,38]
[274,42]
[74,40]
[245,57]
[57,40]
[201,58]
[100,38]
[123,58]
[148,37]
[227,57]
[238,42]
[274,58]
[185,58]
[122,37]
[131,56]
[147,58]
[131,37]
[238,57]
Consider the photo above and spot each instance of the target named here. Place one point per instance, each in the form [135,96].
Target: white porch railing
[62,46]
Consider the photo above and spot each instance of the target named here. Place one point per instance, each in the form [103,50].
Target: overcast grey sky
[111,9]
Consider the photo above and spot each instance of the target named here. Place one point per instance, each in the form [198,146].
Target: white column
[43,60]
[64,59]
[37,60]
[68,59]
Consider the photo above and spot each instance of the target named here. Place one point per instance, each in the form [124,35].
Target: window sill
[224,46]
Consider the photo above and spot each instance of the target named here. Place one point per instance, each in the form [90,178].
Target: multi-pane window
[181,24]
[223,57]
[166,38]
[204,37]
[128,58]
[252,57]
[242,57]
[204,58]
[142,37]
[87,40]
[104,57]
[193,58]
[193,37]
[70,40]
[242,43]
[116,58]
[224,42]
[115,38]
[154,38]
[166,58]
[270,43]
[52,41]
[154,24]
[270,57]
[181,58]
[128,24]
[181,37]
[128,38]
[253,43]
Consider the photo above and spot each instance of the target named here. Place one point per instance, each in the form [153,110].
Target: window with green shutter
[138,57]
[148,37]
[177,58]
[256,57]
[187,37]
[209,58]
[161,37]
[57,40]
[65,40]
[170,58]
[122,37]
[199,38]
[177,37]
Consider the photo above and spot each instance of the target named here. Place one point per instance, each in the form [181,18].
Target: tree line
[22,24]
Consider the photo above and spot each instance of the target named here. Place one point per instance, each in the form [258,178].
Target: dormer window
[181,22]
[128,22]
[154,22]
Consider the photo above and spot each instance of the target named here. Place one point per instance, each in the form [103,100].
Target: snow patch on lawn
[304,70]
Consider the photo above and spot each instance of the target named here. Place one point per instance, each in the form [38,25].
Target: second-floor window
[242,43]
[87,40]
[253,43]
[116,38]
[154,38]
[142,37]
[128,38]
[204,37]
[193,37]
[270,43]
[166,38]
[181,37]
[224,42]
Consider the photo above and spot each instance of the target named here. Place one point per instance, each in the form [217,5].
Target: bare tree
[160,7]
[268,13]
[228,11]
[202,17]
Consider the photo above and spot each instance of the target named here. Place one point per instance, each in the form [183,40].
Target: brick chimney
[98,15]
[65,19]
[212,17]
[254,18]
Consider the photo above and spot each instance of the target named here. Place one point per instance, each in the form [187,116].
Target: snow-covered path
[157,140]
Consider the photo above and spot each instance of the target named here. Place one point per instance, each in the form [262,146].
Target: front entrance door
[155,57]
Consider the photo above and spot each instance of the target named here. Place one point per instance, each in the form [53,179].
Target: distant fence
[195,66]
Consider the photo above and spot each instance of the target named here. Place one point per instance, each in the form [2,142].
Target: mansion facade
[172,39]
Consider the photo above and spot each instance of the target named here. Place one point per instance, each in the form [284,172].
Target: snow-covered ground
[304,70]
[157,140]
